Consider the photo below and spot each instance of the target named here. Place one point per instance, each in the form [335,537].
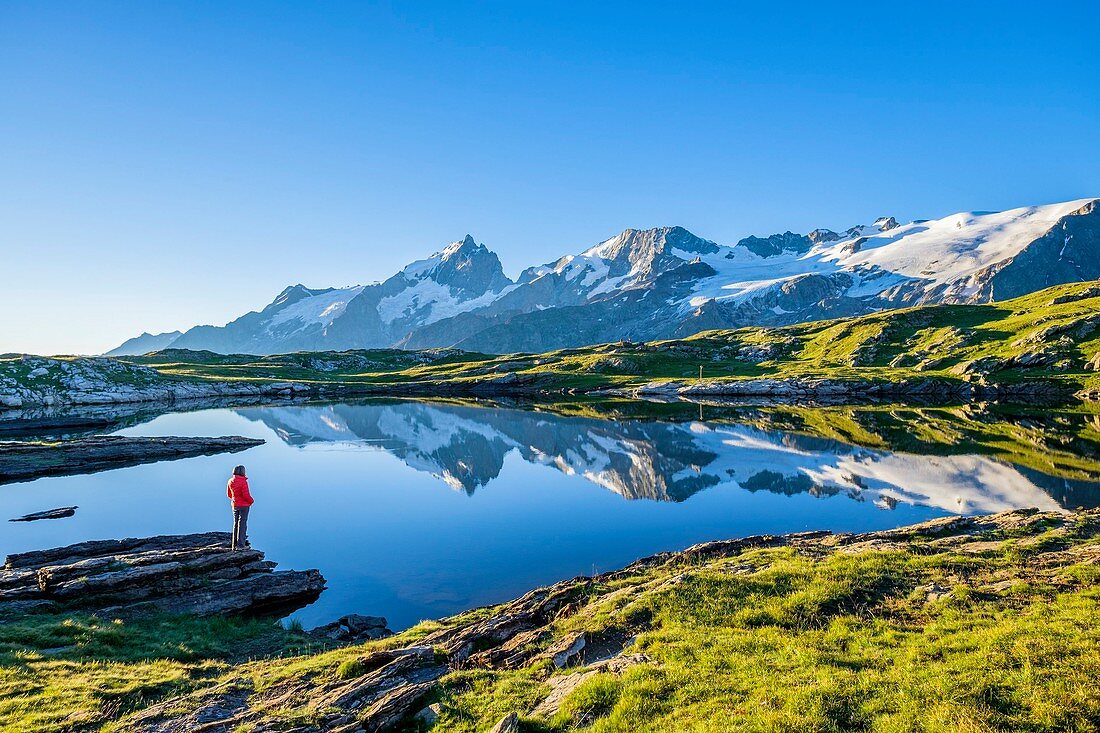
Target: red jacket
[237,490]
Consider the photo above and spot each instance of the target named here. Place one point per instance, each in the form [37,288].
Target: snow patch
[323,308]
[439,301]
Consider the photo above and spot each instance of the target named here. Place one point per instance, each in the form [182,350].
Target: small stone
[566,651]
[357,623]
[336,633]
[934,591]
[429,715]
[508,724]
[374,633]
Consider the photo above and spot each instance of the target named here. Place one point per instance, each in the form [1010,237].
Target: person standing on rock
[241,500]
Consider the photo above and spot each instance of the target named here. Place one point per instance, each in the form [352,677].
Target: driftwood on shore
[28,461]
[191,574]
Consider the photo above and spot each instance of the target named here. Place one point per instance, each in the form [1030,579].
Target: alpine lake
[421,509]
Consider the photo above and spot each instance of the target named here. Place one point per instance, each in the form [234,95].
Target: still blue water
[418,510]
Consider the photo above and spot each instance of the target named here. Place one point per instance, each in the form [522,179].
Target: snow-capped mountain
[667,282]
[465,447]
[462,276]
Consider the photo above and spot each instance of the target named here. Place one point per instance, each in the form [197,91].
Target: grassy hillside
[1052,335]
[1049,338]
[968,625]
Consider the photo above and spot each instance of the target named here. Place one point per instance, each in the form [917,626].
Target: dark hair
[238,471]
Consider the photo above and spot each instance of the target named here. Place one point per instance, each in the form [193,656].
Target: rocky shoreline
[549,632]
[833,388]
[194,574]
[520,386]
[21,461]
[101,382]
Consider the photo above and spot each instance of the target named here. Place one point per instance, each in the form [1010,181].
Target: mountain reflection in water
[360,490]
[672,460]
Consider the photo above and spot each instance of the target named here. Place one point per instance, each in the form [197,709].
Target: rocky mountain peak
[460,248]
[643,252]
[886,223]
[777,244]
[660,240]
[294,293]
[818,236]
[468,266]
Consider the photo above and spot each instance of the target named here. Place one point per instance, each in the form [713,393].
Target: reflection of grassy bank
[983,627]
[1058,441]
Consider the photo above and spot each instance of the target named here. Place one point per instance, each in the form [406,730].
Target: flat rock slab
[59,513]
[28,461]
[189,574]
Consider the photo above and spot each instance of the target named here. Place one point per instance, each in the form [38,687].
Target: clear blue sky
[168,164]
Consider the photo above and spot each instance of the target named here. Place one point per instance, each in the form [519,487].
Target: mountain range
[667,282]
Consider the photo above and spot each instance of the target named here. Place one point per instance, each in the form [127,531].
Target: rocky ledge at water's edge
[43,382]
[194,574]
[526,386]
[28,461]
[554,633]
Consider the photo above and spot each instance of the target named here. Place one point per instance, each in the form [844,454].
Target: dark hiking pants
[240,526]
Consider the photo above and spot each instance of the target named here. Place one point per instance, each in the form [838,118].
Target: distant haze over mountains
[668,282]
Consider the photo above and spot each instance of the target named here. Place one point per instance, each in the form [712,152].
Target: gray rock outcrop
[180,574]
[28,381]
[354,628]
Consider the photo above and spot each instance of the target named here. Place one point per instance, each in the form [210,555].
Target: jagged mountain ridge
[147,342]
[668,282]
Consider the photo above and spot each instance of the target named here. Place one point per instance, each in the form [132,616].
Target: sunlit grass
[768,640]
[845,643]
